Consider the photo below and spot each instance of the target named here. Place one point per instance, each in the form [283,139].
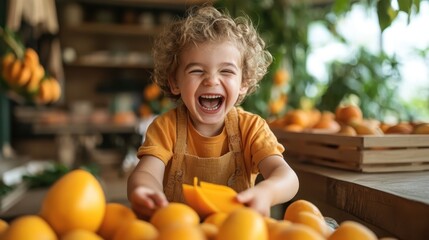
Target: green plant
[5,189]
[284,25]
[371,80]
[386,12]
[47,177]
[50,175]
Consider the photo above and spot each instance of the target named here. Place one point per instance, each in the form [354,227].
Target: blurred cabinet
[106,53]
[106,44]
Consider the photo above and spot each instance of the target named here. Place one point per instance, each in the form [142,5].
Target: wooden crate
[387,153]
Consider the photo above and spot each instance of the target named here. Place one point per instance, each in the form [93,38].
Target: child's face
[208,79]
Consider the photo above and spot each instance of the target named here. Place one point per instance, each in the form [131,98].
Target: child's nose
[211,80]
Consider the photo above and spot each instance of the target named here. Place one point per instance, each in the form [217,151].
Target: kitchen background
[326,53]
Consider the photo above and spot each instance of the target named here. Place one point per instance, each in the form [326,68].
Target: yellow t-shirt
[258,141]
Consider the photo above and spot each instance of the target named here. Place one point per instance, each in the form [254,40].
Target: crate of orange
[344,139]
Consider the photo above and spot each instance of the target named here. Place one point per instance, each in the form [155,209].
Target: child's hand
[253,198]
[145,201]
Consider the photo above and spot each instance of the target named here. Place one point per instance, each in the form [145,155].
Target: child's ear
[243,89]
[173,86]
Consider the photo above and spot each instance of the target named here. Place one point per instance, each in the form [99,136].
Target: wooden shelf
[109,65]
[85,128]
[160,3]
[114,29]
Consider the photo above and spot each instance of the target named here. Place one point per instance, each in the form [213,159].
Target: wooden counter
[391,204]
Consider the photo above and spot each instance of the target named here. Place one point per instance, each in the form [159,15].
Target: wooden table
[391,204]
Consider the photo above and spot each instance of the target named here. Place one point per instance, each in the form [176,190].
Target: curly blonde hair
[204,24]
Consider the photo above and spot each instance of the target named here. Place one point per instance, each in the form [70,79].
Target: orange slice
[221,196]
[209,198]
[195,198]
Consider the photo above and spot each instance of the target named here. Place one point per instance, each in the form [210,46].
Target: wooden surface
[391,204]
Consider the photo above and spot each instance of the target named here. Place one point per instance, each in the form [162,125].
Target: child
[209,62]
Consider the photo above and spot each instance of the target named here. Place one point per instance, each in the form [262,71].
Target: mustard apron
[228,169]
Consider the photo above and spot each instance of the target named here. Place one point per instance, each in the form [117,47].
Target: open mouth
[211,102]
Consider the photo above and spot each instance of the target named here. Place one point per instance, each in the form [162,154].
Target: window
[360,28]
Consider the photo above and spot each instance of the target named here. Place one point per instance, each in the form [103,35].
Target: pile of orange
[346,120]
[75,208]
[24,75]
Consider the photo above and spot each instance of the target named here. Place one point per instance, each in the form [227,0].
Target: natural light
[360,28]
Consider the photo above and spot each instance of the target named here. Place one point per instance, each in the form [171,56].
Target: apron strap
[233,131]
[176,173]
[182,130]
[234,137]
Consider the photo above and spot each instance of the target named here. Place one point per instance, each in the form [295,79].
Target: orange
[347,130]
[366,128]
[384,126]
[216,218]
[210,230]
[422,128]
[298,231]
[222,197]
[189,193]
[243,223]
[315,116]
[182,232]
[277,123]
[45,94]
[327,124]
[352,230]
[55,90]
[3,226]
[209,198]
[75,201]
[80,234]
[14,71]
[301,205]
[348,113]
[274,227]
[299,117]
[136,230]
[31,58]
[145,110]
[38,72]
[195,198]
[115,215]
[174,214]
[293,128]
[124,118]
[151,92]
[29,227]
[281,77]
[24,76]
[276,106]
[7,63]
[400,128]
[313,221]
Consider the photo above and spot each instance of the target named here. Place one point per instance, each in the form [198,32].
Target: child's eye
[196,71]
[227,71]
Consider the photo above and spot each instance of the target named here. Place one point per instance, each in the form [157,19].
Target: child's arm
[280,185]
[145,190]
